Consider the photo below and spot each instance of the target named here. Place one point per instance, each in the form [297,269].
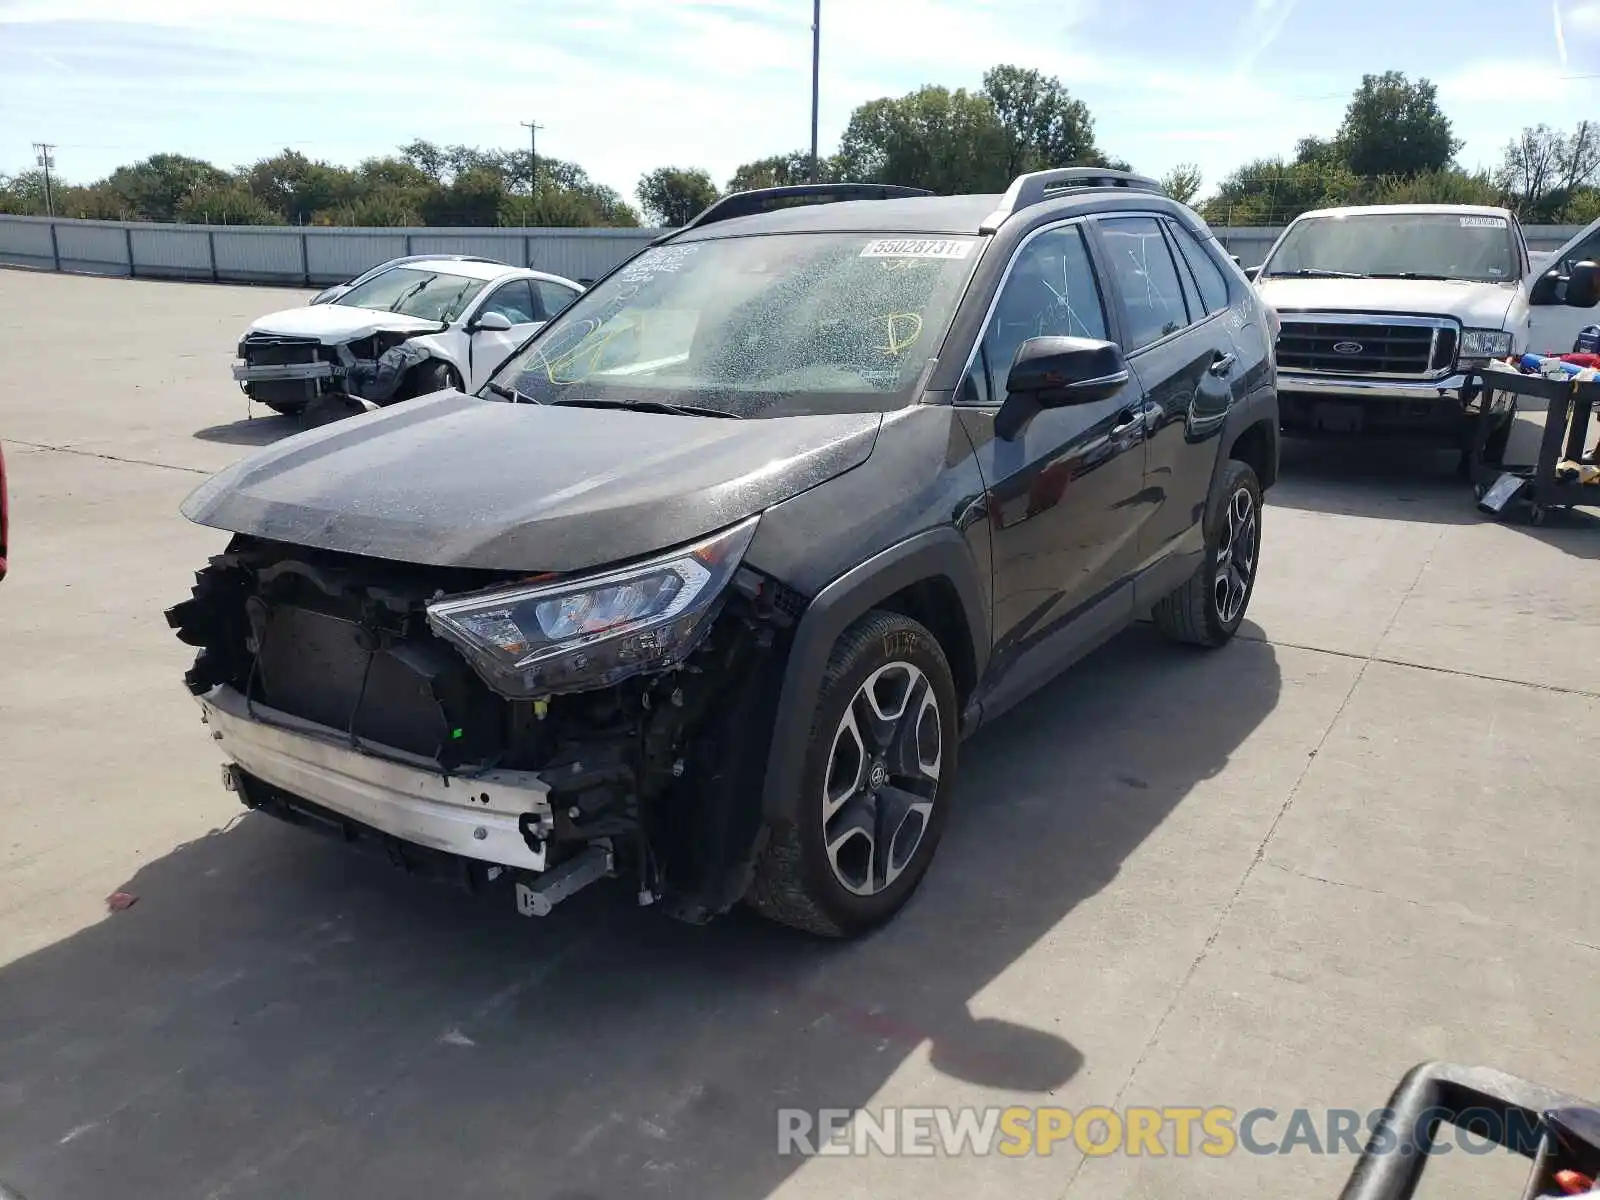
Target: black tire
[434,376]
[796,881]
[1195,613]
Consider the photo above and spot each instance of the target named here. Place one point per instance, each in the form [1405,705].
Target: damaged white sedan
[410,330]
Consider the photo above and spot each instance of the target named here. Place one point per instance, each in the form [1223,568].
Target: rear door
[1062,497]
[1179,344]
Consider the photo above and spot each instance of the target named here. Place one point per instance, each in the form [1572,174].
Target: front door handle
[1223,364]
[1131,420]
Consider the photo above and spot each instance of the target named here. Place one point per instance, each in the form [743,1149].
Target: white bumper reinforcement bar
[476,817]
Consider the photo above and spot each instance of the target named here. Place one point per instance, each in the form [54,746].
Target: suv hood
[453,481]
[1476,305]
[335,323]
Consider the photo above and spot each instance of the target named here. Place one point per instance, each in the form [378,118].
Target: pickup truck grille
[1393,348]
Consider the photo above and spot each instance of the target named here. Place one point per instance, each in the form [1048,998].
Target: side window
[1213,284]
[1142,265]
[513,301]
[554,297]
[1051,292]
[1587,250]
[1191,292]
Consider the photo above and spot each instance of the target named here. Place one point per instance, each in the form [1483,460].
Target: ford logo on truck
[1347,347]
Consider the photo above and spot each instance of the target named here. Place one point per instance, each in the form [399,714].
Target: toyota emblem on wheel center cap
[1347,347]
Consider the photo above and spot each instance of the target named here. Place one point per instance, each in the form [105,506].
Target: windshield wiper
[511,394]
[655,406]
[1419,275]
[410,292]
[1318,273]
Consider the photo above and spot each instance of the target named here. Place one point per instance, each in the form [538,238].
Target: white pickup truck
[1383,309]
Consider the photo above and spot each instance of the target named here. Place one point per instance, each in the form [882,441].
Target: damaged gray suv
[708,585]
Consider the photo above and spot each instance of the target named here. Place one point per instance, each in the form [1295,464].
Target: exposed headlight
[1485,343]
[579,634]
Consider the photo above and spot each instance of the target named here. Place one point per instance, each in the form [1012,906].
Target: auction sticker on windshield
[916,248]
[1483,222]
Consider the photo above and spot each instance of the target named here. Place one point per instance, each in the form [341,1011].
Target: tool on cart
[1558,1132]
[1565,474]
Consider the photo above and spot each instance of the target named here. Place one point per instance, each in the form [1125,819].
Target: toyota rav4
[707,587]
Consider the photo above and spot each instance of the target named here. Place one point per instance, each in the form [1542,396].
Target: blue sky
[625,85]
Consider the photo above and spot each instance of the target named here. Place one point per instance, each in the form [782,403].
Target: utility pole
[816,68]
[46,159]
[533,128]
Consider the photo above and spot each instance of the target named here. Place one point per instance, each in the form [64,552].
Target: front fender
[940,553]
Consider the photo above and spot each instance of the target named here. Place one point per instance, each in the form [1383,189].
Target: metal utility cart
[1536,489]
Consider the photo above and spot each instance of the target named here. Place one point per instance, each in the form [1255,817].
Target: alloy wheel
[882,778]
[1236,555]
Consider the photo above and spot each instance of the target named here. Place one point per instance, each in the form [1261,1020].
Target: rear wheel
[1207,610]
[875,786]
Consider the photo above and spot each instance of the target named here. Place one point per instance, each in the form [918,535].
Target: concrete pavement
[1274,876]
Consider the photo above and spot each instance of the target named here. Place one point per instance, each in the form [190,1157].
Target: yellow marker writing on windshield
[903,329]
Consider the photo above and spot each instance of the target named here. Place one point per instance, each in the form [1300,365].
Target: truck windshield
[1475,246]
[431,295]
[757,326]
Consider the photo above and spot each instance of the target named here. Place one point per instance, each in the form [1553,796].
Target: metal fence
[317,256]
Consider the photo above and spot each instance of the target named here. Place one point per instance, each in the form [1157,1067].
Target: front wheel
[875,786]
[1208,608]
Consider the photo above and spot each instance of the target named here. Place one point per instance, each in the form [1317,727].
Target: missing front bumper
[479,817]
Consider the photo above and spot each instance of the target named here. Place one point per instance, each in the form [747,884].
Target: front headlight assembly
[578,634]
[1485,344]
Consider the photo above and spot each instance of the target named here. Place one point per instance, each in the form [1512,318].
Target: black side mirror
[1583,285]
[1546,289]
[492,322]
[1055,372]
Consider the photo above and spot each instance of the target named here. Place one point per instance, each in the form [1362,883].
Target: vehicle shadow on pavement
[252,431]
[276,1018]
[1401,483]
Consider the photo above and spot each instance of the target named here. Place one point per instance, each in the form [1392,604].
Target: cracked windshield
[756,326]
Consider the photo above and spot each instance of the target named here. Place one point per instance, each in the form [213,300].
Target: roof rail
[1038,186]
[760,200]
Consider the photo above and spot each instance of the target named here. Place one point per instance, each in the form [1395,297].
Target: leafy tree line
[1395,144]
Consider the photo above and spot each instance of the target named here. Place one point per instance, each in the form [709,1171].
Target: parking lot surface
[1275,876]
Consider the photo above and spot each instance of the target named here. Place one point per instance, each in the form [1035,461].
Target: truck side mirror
[1583,285]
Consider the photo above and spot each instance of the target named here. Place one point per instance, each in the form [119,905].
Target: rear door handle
[1223,364]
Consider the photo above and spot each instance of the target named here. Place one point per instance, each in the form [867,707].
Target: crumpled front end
[289,372]
[338,707]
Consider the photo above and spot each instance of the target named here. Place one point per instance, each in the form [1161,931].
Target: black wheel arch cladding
[935,554]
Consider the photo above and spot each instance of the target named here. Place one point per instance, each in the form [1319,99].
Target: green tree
[426,157]
[1270,191]
[97,202]
[23,194]
[1543,169]
[782,170]
[1043,126]
[296,187]
[230,202]
[1394,127]
[383,208]
[676,195]
[154,188]
[947,141]
[472,198]
[1183,182]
